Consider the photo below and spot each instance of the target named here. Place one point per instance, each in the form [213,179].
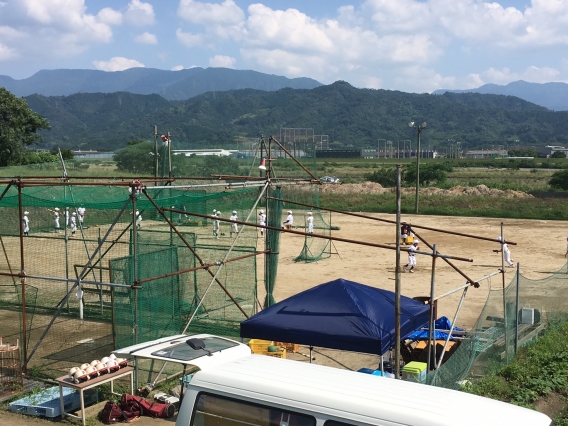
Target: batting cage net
[510,319]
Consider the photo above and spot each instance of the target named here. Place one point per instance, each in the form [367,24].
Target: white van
[237,388]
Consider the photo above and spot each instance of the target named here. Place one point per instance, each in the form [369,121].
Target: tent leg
[381,365]
[311,348]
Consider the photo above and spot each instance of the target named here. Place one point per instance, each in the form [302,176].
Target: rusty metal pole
[504,296]
[431,326]
[23,282]
[397,279]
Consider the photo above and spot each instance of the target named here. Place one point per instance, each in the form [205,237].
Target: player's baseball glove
[495,251]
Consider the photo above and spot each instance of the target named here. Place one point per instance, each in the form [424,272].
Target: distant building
[203,152]
[556,148]
[92,154]
[486,153]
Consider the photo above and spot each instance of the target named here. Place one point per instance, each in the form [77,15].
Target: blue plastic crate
[46,402]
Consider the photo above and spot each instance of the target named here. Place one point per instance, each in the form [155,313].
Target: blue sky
[408,45]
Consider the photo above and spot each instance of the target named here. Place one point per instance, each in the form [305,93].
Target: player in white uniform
[310,221]
[138,219]
[234,226]
[66,217]
[262,221]
[81,210]
[56,219]
[216,224]
[73,223]
[411,257]
[506,253]
[289,221]
[26,223]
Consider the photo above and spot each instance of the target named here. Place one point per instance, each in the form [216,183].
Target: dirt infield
[540,249]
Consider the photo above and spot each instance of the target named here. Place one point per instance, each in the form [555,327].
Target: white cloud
[146,38]
[109,16]
[177,68]
[227,13]
[139,13]
[54,28]
[7,53]
[222,61]
[531,74]
[117,63]
[189,39]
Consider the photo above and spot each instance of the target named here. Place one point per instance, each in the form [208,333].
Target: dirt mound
[377,188]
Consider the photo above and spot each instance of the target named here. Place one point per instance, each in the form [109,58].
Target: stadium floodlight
[418,129]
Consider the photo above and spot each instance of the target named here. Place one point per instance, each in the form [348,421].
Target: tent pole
[397,280]
[311,348]
[431,330]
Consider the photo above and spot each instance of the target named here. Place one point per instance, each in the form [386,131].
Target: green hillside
[351,117]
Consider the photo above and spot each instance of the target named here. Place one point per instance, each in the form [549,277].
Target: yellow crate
[258,346]
[280,354]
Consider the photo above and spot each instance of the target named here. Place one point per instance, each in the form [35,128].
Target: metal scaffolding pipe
[378,219]
[289,231]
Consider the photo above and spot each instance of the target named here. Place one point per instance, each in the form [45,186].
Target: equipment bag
[147,408]
[112,413]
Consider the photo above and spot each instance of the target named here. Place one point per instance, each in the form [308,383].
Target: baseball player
[73,223]
[56,219]
[234,226]
[66,217]
[81,211]
[404,231]
[216,224]
[310,221]
[289,221]
[138,219]
[506,253]
[262,221]
[26,223]
[411,257]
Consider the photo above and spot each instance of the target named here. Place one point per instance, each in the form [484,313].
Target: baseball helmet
[74,214]
[290,211]
[26,212]
[56,209]
[234,212]
[262,211]
[415,242]
[310,213]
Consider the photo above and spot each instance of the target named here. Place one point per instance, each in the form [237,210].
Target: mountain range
[172,85]
[553,96]
[350,117]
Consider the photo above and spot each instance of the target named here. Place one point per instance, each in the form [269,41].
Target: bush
[559,180]
[385,176]
[429,173]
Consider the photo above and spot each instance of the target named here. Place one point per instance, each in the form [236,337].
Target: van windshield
[185,352]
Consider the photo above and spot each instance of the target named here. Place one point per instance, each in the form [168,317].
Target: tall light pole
[418,128]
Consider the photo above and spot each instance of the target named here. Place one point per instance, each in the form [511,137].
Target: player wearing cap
[289,221]
[26,223]
[234,226]
[310,222]
[73,223]
[506,252]
[138,219]
[411,257]
[81,210]
[216,223]
[56,219]
[261,221]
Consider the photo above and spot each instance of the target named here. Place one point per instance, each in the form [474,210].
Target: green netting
[163,306]
[492,341]
[10,309]
[316,248]
[272,243]
[103,203]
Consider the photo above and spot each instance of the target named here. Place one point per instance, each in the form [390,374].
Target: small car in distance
[329,179]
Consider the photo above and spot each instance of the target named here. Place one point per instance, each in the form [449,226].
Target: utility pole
[418,129]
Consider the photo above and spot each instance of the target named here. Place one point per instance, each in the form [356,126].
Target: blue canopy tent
[340,314]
